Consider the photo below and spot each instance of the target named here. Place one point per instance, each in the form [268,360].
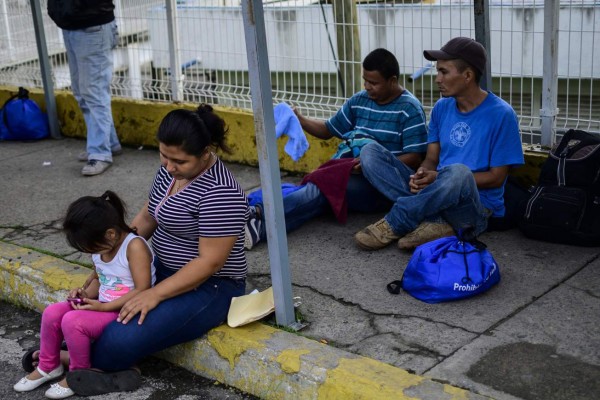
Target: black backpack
[564,207]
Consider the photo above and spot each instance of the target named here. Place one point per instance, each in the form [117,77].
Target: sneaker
[95,167]
[376,236]
[426,232]
[83,156]
[252,230]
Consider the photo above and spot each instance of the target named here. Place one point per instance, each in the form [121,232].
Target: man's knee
[457,173]
[370,155]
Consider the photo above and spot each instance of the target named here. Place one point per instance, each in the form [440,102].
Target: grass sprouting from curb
[48,253]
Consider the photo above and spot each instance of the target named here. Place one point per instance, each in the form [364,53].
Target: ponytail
[193,131]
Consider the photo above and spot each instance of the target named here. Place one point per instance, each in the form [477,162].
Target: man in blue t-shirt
[473,142]
[383,113]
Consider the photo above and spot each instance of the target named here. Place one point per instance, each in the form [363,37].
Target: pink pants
[77,327]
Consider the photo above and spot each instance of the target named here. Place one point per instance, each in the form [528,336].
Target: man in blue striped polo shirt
[385,113]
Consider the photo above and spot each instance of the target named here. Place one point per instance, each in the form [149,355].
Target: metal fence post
[174,58]
[40,38]
[6,28]
[268,161]
[481,10]
[550,70]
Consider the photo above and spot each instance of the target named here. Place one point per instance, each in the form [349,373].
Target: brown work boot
[426,232]
[376,236]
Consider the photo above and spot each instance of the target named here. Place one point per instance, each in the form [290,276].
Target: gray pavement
[534,336]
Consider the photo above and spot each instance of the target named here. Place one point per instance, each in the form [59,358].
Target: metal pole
[175,63]
[268,161]
[550,70]
[40,38]
[481,9]
[9,44]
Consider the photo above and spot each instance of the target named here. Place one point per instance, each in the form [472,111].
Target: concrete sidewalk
[534,336]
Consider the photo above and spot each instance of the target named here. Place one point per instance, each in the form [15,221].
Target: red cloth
[332,180]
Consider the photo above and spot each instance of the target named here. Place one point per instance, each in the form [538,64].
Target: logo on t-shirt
[460,134]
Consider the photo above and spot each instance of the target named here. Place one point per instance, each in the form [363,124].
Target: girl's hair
[88,218]
[193,131]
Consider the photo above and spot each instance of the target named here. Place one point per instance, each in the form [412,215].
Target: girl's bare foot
[64,359]
[64,383]
[34,375]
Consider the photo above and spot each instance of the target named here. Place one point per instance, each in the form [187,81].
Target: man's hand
[142,303]
[357,169]
[314,127]
[421,179]
[296,111]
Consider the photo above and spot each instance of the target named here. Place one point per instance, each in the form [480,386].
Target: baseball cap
[464,48]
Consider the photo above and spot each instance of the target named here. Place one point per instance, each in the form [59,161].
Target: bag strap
[466,279]
[560,170]
[468,236]
[394,287]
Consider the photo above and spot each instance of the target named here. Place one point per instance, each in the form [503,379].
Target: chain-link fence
[315,49]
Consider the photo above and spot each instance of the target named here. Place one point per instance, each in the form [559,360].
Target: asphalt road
[19,329]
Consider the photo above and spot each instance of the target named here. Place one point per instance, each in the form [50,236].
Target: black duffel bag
[564,207]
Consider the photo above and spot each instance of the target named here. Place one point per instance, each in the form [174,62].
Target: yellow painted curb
[256,358]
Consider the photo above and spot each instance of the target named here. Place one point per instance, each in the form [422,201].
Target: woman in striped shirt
[195,215]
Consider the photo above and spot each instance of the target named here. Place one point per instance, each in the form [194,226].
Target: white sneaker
[26,385]
[252,230]
[58,392]
[95,167]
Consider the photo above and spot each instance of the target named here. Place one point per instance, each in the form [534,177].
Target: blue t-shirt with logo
[483,138]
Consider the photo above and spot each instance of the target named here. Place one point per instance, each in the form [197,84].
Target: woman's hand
[142,303]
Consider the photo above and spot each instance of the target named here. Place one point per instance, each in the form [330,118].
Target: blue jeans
[89,52]
[176,320]
[452,196]
[308,202]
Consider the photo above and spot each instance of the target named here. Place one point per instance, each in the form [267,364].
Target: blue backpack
[22,119]
[446,269]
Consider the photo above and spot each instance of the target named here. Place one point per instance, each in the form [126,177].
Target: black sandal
[89,382]
[27,359]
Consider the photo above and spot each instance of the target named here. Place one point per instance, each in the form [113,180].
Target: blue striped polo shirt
[399,125]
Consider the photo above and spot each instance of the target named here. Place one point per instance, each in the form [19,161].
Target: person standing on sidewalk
[386,113]
[473,142]
[90,34]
